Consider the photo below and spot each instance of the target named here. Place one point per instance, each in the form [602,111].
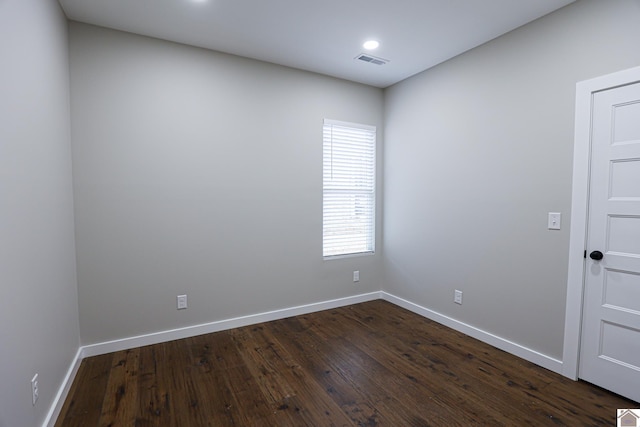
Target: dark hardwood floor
[371,364]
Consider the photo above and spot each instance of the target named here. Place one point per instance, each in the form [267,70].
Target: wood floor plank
[293,394]
[497,372]
[312,354]
[406,396]
[365,403]
[121,394]
[234,396]
[152,400]
[370,364]
[190,398]
[416,374]
[451,381]
[262,359]
[83,406]
[392,394]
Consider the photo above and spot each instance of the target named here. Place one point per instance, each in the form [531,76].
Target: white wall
[201,173]
[477,151]
[39,314]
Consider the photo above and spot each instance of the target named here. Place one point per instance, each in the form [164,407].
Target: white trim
[221,325]
[370,128]
[526,353]
[190,331]
[579,210]
[342,256]
[349,149]
[63,391]
[186,332]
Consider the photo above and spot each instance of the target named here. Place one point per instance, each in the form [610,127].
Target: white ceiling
[323,36]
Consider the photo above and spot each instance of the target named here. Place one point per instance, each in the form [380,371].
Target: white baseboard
[63,391]
[186,332]
[221,325]
[487,337]
[237,322]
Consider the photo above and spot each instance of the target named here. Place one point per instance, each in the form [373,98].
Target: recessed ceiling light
[371,44]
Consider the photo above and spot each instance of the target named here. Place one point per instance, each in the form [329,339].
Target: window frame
[370,240]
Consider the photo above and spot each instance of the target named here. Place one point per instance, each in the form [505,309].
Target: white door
[610,344]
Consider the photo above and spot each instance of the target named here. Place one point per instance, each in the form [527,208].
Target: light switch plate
[555,218]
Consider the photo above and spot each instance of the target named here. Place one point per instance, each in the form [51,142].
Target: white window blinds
[349,160]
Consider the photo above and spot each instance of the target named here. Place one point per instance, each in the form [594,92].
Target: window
[349,190]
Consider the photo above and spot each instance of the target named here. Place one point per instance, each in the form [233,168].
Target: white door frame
[579,210]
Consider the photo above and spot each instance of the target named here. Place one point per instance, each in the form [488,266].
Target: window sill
[356,255]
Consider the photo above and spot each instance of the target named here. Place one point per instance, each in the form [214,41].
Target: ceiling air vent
[371,59]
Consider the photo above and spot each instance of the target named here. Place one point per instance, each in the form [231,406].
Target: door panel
[625,117]
[621,345]
[622,234]
[622,290]
[625,177]
[610,345]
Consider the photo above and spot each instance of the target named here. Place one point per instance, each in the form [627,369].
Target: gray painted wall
[477,151]
[39,315]
[200,173]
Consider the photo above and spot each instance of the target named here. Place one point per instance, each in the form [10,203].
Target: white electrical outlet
[356,276]
[457,297]
[182,302]
[34,389]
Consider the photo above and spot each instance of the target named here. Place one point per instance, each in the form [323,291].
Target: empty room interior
[136,167]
